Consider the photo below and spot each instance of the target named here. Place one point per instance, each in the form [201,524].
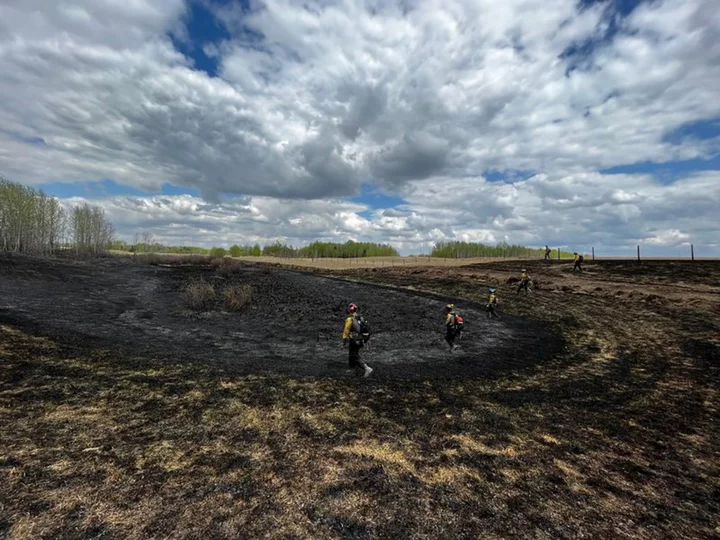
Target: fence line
[339,263]
[640,257]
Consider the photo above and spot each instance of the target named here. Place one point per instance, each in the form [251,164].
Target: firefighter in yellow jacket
[524,282]
[579,259]
[451,326]
[492,304]
[353,339]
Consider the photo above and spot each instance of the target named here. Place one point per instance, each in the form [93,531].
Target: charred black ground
[110,429]
[292,326]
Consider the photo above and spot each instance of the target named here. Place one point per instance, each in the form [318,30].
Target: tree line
[34,223]
[463,250]
[349,249]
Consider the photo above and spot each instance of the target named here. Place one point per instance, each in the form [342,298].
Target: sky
[409,122]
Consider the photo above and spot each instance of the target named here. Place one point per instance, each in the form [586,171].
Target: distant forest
[316,250]
[463,250]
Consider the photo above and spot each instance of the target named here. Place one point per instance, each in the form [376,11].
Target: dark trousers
[523,285]
[547,256]
[491,311]
[354,357]
[450,336]
[578,266]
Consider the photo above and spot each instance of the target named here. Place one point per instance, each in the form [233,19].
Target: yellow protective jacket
[525,276]
[450,319]
[347,330]
[492,300]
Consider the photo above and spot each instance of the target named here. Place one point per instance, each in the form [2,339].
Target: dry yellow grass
[369,262]
[199,295]
[101,444]
[237,296]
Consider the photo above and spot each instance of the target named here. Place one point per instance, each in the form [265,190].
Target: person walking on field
[355,336]
[453,326]
[492,304]
[547,253]
[578,262]
[524,282]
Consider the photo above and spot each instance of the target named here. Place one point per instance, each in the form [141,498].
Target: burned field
[589,410]
[292,325]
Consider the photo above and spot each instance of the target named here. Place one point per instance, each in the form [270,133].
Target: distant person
[492,304]
[578,262]
[453,326]
[355,336]
[524,282]
[547,253]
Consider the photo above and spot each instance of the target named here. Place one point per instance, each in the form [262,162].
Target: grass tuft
[229,268]
[237,296]
[199,295]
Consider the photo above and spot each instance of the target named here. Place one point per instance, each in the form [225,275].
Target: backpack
[361,328]
[581,258]
[459,324]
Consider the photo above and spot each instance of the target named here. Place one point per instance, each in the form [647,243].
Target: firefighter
[578,262]
[353,339]
[524,282]
[547,253]
[492,304]
[451,326]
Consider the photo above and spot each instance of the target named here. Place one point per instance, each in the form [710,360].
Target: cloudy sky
[214,122]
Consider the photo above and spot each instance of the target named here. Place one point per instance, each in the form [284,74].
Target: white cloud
[420,98]
[599,215]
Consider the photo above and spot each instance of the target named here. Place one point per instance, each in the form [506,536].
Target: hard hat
[450,307]
[352,308]
[491,290]
[524,270]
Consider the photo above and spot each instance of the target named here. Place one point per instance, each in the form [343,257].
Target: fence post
[593,253]
[558,254]
[638,250]
[692,252]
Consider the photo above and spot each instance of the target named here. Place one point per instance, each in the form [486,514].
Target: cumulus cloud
[607,213]
[314,99]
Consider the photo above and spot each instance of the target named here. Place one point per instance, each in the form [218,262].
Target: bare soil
[590,410]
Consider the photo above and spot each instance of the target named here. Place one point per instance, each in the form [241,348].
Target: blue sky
[203,29]
[581,124]
[108,188]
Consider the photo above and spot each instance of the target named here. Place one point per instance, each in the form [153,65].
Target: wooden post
[638,250]
[558,254]
[692,252]
[593,253]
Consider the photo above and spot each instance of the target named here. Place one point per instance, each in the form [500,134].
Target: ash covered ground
[292,326]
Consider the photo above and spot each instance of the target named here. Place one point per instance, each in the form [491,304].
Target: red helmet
[352,308]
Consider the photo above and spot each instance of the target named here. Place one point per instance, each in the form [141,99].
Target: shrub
[199,295]
[218,252]
[229,268]
[192,259]
[238,296]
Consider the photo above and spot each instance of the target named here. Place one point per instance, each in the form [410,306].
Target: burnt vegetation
[589,411]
